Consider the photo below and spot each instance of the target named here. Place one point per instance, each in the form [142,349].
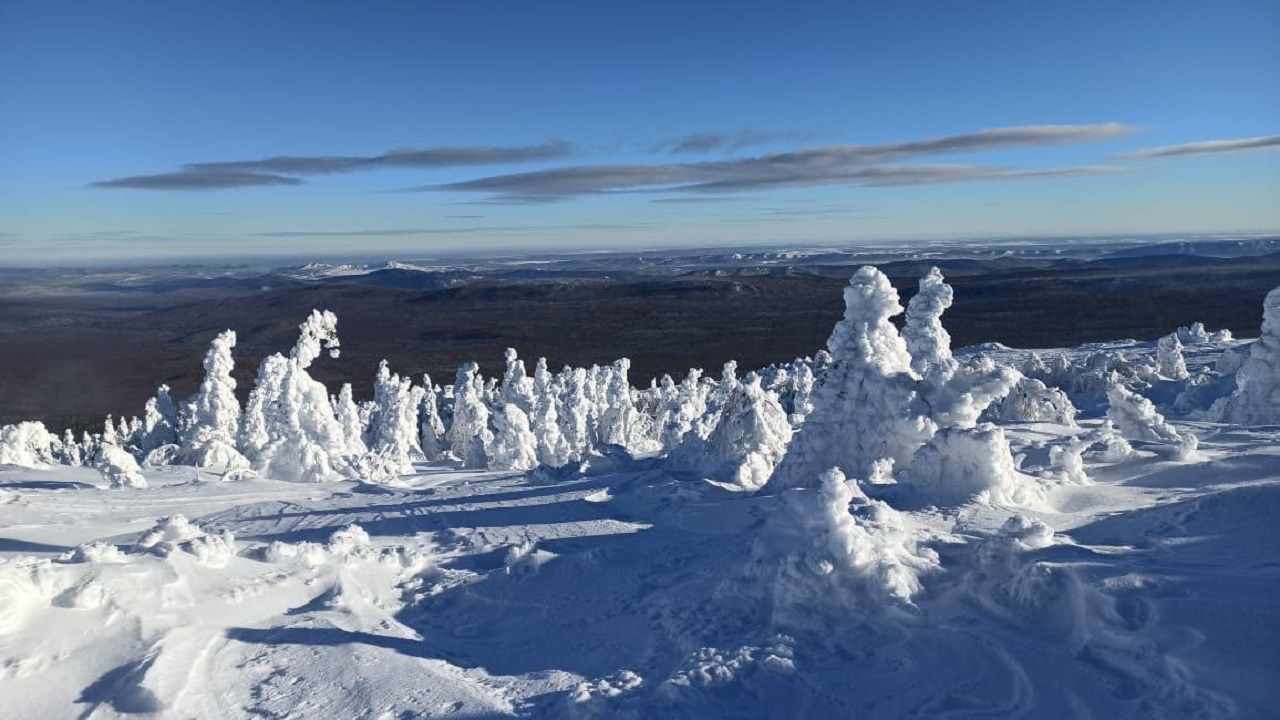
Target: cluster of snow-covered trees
[879,404]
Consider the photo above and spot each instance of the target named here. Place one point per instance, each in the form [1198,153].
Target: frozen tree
[469,435]
[690,404]
[517,386]
[577,419]
[863,408]
[1197,335]
[803,380]
[292,431]
[1031,400]
[348,414]
[514,446]
[1136,418]
[1256,400]
[393,429]
[28,444]
[749,440]
[871,544]
[1169,361]
[959,465]
[927,340]
[431,432]
[1107,445]
[159,422]
[71,453]
[553,448]
[211,419]
[119,468]
[620,423]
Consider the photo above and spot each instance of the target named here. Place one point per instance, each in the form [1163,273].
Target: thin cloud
[824,165]
[282,169]
[708,141]
[195,180]
[1207,147]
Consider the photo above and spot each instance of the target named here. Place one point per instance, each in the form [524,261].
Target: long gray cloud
[281,169]
[409,232]
[194,180]
[1206,147]
[825,165]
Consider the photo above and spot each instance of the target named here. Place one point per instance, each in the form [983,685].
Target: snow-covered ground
[982,550]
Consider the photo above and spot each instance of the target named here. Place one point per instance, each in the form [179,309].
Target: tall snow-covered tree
[210,420]
[293,432]
[514,446]
[863,410]
[431,429]
[159,422]
[517,387]
[348,414]
[393,431]
[469,436]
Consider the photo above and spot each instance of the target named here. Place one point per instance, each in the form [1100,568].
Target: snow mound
[962,465]
[119,469]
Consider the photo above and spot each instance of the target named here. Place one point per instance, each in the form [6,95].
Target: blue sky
[156,130]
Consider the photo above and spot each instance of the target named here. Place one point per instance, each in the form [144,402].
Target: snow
[950,537]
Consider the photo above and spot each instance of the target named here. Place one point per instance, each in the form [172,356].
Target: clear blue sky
[162,129]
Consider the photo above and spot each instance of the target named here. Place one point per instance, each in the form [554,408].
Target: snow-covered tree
[210,420]
[28,444]
[553,449]
[431,430]
[1169,360]
[620,423]
[514,446]
[119,468]
[517,386]
[927,340]
[1256,400]
[393,429]
[159,422]
[958,465]
[292,431]
[1137,419]
[577,419]
[1031,400]
[863,410]
[749,439]
[689,405]
[348,414]
[469,435]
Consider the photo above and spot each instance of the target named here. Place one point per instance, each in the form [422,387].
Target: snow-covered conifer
[431,430]
[514,446]
[927,340]
[28,444]
[469,435]
[1256,400]
[863,409]
[1169,360]
[210,420]
[577,416]
[119,468]
[748,441]
[517,386]
[393,429]
[293,430]
[348,414]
